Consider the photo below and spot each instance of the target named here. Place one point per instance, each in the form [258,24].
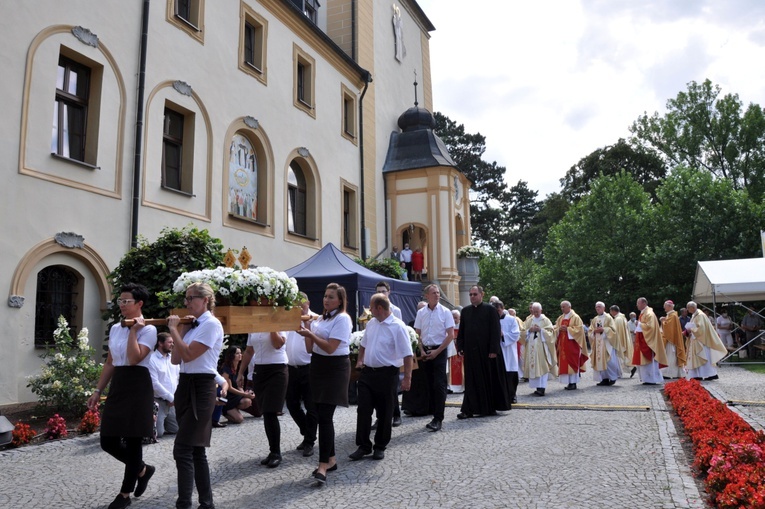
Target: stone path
[528,457]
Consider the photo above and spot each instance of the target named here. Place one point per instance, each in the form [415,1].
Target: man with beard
[478,341]
[164,378]
[570,345]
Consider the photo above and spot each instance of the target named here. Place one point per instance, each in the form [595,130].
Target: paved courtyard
[588,455]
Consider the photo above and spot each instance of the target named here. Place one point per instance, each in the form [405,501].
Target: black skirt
[194,405]
[329,377]
[129,408]
[270,386]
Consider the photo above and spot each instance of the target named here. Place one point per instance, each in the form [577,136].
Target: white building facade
[266,122]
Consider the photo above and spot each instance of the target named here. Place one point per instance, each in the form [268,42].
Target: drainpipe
[139,124]
[385,201]
[368,80]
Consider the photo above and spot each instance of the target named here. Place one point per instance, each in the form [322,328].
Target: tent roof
[730,280]
[330,261]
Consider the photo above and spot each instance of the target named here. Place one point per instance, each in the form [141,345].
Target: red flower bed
[728,451]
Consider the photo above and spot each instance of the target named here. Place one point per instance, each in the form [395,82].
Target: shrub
[67,378]
[22,434]
[387,267]
[56,428]
[90,422]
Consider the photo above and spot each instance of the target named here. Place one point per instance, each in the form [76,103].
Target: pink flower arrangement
[727,450]
[56,428]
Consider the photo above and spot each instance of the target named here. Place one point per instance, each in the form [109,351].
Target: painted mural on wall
[243,178]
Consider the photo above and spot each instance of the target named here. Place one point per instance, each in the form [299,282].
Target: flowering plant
[414,339]
[22,434]
[65,381]
[355,343]
[56,428]
[471,252]
[90,422]
[238,286]
[727,450]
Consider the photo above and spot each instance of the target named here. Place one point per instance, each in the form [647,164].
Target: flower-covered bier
[241,286]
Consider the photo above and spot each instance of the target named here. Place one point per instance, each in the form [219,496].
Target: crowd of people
[173,383]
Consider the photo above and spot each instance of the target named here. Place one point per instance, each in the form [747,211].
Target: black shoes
[604,382]
[330,469]
[570,387]
[143,482]
[321,479]
[378,454]
[707,379]
[539,392]
[515,400]
[396,422]
[434,425]
[218,425]
[463,415]
[120,502]
[358,454]
[273,460]
[308,450]
[632,372]
[301,446]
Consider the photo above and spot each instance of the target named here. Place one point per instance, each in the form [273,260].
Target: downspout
[139,124]
[385,201]
[368,80]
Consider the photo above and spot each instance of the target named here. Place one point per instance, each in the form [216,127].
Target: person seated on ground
[238,399]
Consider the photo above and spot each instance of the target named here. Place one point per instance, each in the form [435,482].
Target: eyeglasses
[192,297]
[120,302]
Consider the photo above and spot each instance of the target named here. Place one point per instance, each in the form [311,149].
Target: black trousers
[273,432]
[377,392]
[299,389]
[512,384]
[326,413]
[128,451]
[435,373]
[191,462]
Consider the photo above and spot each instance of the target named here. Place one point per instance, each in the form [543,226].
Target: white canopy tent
[740,280]
[734,281]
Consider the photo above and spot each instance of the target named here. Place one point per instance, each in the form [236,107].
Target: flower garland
[239,286]
[727,450]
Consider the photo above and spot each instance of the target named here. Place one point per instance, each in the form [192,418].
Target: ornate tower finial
[415,88]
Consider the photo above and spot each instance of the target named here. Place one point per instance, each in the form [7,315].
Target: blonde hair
[204,290]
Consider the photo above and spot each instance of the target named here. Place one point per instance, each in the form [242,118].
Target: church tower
[427,198]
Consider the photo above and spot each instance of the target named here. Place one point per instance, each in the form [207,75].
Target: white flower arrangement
[241,286]
[471,252]
[357,336]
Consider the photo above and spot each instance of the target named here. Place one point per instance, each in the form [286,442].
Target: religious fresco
[243,178]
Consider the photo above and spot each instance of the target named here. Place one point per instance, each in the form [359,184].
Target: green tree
[489,196]
[532,240]
[511,279]
[645,166]
[705,131]
[697,218]
[158,264]
[524,207]
[594,253]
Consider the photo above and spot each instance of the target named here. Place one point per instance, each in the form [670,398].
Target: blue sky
[549,82]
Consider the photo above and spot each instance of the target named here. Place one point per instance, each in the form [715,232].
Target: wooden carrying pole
[129,322]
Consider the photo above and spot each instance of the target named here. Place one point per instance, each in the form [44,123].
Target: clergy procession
[539,349]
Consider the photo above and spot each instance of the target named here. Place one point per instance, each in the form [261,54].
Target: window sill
[301,236]
[178,191]
[248,220]
[75,161]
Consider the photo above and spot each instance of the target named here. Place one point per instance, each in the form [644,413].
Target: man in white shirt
[384,349]
[434,325]
[164,378]
[406,257]
[384,288]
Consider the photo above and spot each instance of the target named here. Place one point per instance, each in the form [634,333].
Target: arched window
[296,192]
[57,294]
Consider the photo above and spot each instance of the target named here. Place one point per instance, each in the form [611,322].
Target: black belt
[430,348]
[384,368]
